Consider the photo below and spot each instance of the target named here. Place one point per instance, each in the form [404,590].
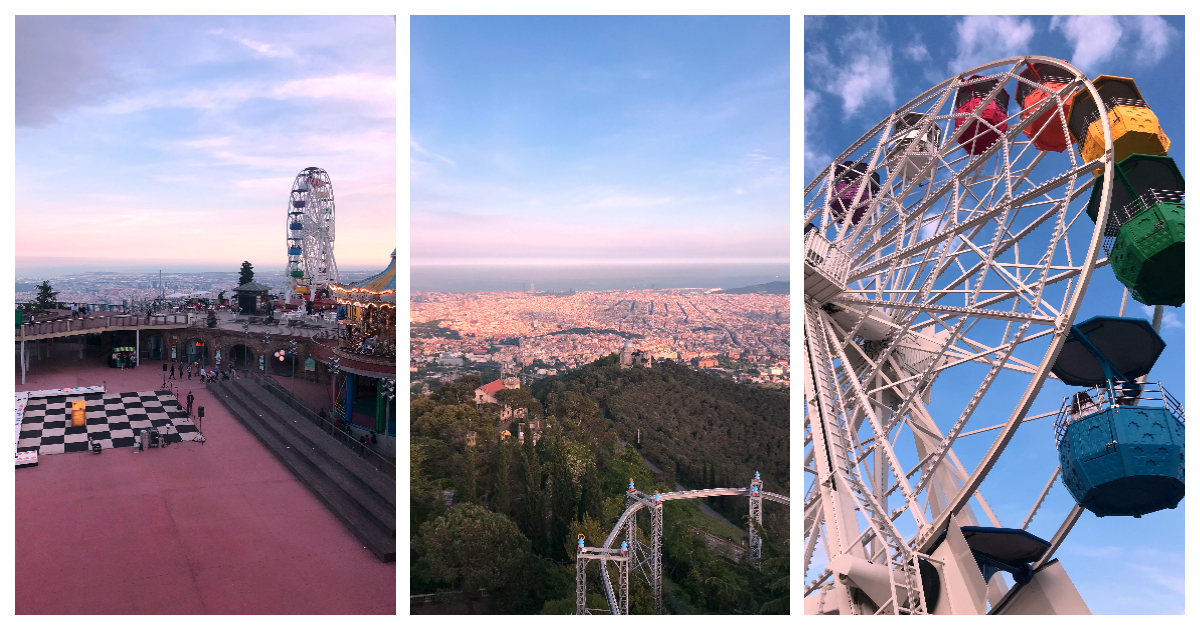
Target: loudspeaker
[164,367]
[200,412]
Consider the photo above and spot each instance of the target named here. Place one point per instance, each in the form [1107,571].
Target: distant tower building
[629,356]
[531,289]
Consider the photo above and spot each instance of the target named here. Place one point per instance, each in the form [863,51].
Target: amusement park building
[364,358]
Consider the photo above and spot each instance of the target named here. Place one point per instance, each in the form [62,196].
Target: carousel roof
[382,282]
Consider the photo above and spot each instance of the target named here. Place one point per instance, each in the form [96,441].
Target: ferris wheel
[310,233]
[947,252]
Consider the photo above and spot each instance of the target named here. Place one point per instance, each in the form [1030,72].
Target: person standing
[172,376]
[201,374]
[189,371]
[190,398]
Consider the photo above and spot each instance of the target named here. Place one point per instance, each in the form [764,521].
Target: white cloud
[378,92]
[1094,38]
[265,49]
[758,157]
[420,150]
[984,38]
[361,86]
[1156,37]
[867,74]
[917,52]
[1170,317]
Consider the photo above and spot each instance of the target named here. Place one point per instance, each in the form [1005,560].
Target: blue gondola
[293,251]
[1120,443]
[297,226]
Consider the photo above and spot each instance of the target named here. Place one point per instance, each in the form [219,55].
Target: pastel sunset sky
[177,138]
[594,140]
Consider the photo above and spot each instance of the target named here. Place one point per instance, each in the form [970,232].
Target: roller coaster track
[635,501]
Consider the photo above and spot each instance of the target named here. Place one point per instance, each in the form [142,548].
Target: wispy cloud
[266,50]
[420,150]
[984,38]
[863,72]
[1170,317]
[1094,38]
[1156,38]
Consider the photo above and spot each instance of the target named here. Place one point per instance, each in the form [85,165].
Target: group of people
[209,375]
[79,309]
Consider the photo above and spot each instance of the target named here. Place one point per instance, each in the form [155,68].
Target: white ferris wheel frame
[316,237]
[820,329]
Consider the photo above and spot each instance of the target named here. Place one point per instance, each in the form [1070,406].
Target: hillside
[778,287]
[489,512]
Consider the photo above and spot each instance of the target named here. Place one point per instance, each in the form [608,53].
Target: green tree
[467,478]
[533,513]
[246,274]
[221,297]
[212,319]
[46,296]
[502,489]
[459,392]
[469,548]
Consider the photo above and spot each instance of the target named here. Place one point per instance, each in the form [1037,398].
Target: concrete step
[334,460]
[357,518]
[349,459]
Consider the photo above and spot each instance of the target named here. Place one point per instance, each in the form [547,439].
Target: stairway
[363,498]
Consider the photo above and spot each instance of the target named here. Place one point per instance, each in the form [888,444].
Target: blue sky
[859,70]
[177,138]
[551,140]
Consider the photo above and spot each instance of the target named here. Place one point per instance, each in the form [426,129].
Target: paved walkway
[218,528]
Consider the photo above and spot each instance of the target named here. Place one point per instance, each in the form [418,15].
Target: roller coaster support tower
[649,561]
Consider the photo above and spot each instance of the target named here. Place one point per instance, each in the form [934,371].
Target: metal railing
[1121,216]
[84,324]
[373,457]
[819,253]
[1111,396]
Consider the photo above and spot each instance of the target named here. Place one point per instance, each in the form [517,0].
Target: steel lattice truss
[960,269]
[647,562]
[310,232]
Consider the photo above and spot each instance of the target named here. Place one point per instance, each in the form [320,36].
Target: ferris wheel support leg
[837,508]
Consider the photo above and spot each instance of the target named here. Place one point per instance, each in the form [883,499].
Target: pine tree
[533,521]
[246,274]
[502,502]
[468,473]
[46,297]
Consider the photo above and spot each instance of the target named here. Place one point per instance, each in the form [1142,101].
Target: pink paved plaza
[214,528]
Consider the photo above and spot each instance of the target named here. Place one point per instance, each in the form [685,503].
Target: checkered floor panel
[111,419]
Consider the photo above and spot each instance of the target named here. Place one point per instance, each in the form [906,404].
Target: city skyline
[599,140]
[178,137]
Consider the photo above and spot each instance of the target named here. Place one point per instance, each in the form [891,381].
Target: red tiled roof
[491,388]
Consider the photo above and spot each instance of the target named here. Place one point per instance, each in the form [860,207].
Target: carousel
[362,387]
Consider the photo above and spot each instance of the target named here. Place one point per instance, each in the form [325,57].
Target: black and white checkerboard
[111,419]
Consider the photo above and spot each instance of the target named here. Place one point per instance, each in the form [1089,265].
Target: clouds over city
[209,117]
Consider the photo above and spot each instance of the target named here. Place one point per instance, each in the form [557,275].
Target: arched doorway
[195,351]
[153,347]
[281,362]
[242,357]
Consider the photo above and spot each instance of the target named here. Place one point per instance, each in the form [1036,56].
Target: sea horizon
[480,278]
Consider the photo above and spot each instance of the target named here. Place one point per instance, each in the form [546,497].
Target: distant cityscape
[126,288]
[744,337]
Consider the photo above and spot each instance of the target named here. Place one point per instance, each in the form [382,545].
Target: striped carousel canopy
[381,286]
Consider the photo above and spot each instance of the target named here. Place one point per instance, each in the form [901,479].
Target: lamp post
[292,347]
[333,375]
[389,392]
[266,347]
[245,339]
